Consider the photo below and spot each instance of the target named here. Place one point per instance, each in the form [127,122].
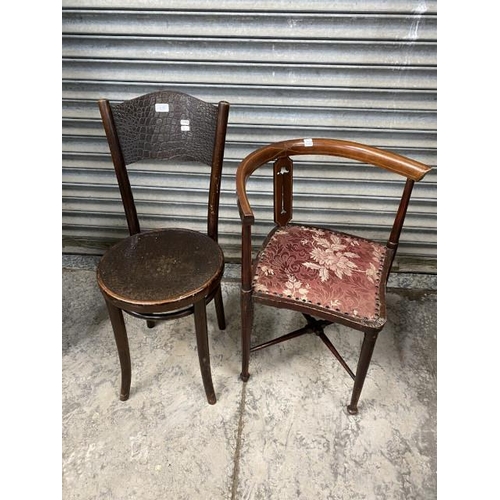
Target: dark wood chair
[167,273]
[328,276]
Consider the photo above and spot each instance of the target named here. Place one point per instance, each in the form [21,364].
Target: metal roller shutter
[355,70]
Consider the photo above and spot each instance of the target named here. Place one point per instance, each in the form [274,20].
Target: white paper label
[161,107]
[185,122]
[308,143]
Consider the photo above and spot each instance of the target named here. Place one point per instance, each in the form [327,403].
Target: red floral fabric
[333,270]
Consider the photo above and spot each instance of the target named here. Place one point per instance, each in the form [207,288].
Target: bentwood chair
[169,273]
[327,275]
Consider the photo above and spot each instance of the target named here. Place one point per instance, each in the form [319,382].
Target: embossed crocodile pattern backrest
[165,125]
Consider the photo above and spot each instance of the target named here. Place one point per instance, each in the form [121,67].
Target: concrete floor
[284,435]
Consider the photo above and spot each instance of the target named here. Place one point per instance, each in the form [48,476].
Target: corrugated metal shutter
[356,70]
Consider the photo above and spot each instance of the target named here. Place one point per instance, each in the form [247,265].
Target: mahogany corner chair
[166,273]
[328,276]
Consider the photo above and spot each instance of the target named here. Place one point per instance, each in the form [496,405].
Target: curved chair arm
[411,169]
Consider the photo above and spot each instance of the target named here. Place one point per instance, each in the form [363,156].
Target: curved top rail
[399,164]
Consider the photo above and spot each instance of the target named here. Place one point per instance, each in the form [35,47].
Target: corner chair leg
[219,309]
[200,320]
[362,369]
[246,332]
[118,324]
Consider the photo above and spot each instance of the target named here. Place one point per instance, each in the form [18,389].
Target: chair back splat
[283,190]
[327,275]
[173,272]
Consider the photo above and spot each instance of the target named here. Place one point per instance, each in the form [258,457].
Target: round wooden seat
[161,270]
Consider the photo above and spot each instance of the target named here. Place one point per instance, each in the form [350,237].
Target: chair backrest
[281,153]
[165,125]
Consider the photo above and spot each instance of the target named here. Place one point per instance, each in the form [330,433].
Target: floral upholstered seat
[335,271]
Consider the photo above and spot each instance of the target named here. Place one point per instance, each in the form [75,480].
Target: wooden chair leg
[200,319]
[246,332]
[118,324]
[362,369]
[219,308]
